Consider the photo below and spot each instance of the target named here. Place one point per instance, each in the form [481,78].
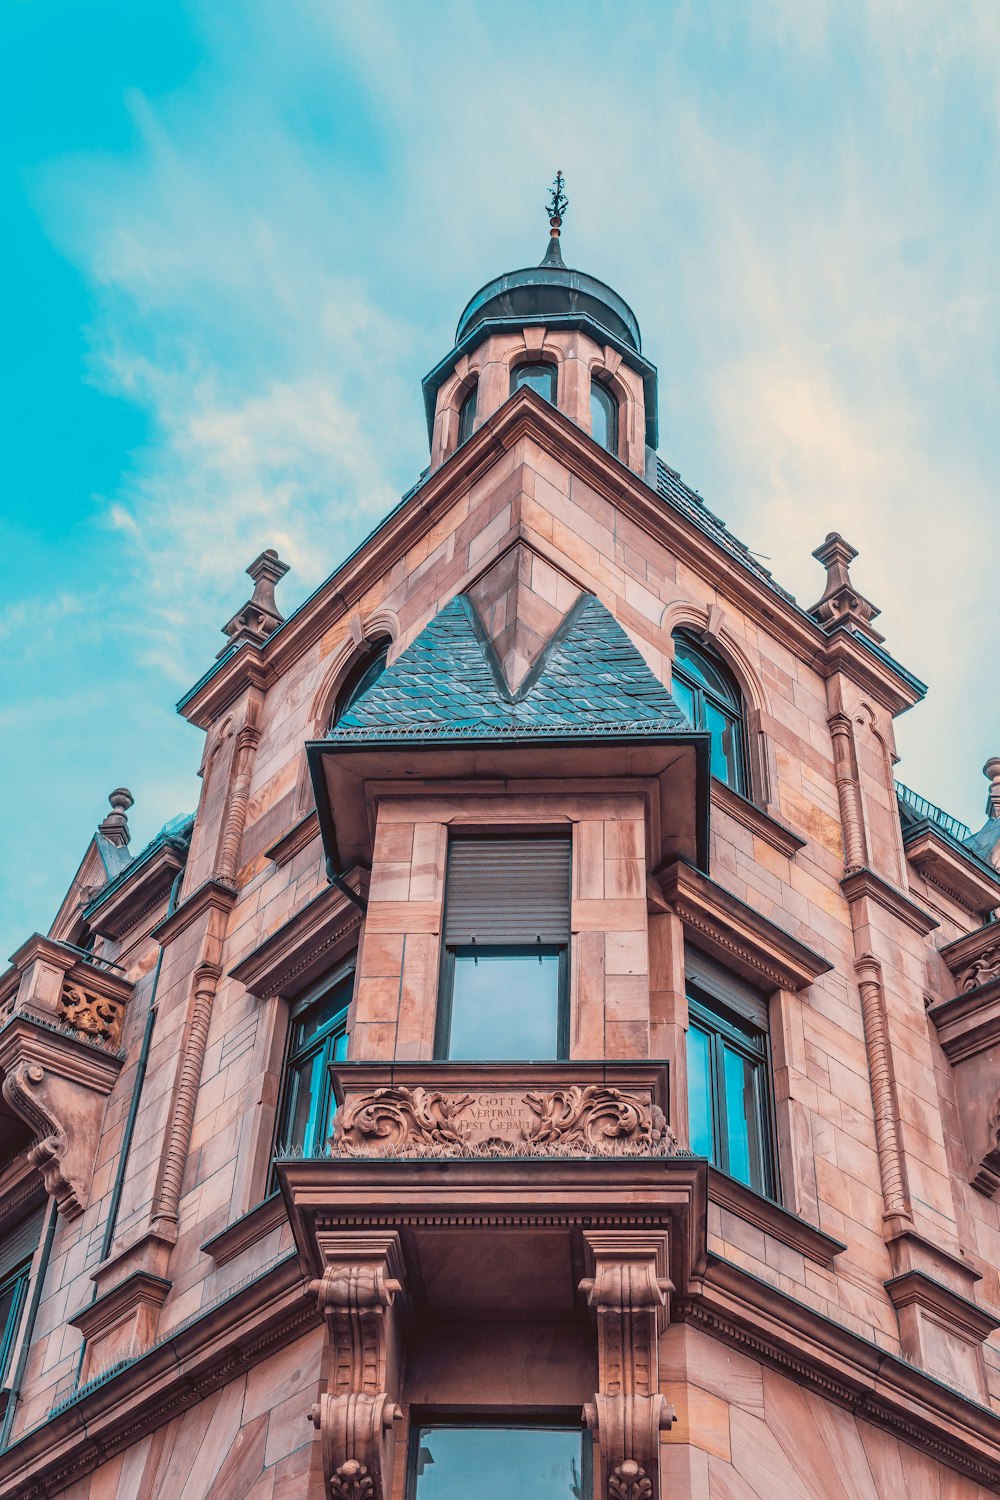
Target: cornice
[742,937]
[214,894]
[739,1308]
[247,1230]
[864,882]
[142,1287]
[959,874]
[968,1023]
[754,818]
[119,1409]
[916,1288]
[286,961]
[528,417]
[973,954]
[138,896]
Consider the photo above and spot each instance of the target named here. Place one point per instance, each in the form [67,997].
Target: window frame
[701,693]
[726,1023]
[518,1420]
[446,993]
[355,684]
[326,1037]
[470,405]
[548,365]
[20,1279]
[603,388]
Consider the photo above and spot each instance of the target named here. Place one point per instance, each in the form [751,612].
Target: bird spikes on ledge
[115,825]
[260,616]
[841,603]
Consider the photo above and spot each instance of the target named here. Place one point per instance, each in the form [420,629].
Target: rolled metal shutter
[508,891]
[729,989]
[20,1242]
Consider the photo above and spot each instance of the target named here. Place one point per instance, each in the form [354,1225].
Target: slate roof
[177,831]
[671,487]
[448,684]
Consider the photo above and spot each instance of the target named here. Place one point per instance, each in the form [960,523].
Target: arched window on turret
[364,674]
[709,694]
[603,417]
[539,377]
[467,416]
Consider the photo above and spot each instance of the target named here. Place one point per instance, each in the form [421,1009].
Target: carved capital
[361,1298]
[58,1086]
[628,1292]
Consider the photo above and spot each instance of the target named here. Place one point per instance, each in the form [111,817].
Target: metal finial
[557,205]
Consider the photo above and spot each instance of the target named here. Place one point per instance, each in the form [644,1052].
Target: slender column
[628,1292]
[892,1171]
[848,793]
[194,1044]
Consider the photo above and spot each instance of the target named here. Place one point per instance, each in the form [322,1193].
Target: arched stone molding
[709,622]
[626,387]
[452,394]
[876,758]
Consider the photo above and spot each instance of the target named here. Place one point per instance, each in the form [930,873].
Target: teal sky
[239,232]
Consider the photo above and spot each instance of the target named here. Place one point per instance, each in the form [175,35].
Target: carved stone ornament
[589,1120]
[58,1086]
[92,1014]
[984,968]
[360,1295]
[628,1293]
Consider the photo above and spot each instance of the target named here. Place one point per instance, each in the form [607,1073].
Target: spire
[115,825]
[841,603]
[260,615]
[555,209]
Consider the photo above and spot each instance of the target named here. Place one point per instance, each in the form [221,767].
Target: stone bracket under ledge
[120,1323]
[58,1084]
[968,1028]
[942,1332]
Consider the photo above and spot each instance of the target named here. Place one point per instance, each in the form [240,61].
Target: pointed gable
[589,680]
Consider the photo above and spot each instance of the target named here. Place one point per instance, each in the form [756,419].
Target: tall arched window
[603,417]
[364,674]
[707,691]
[540,377]
[467,416]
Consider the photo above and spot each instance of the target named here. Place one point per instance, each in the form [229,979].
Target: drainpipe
[29,1326]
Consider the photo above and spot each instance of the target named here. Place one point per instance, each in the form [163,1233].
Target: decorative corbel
[58,1084]
[629,1292]
[361,1297]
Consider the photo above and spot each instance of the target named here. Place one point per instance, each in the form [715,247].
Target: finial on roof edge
[556,208]
[115,825]
[991,771]
[260,616]
[841,603]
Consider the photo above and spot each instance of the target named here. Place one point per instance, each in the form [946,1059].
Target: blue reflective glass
[603,417]
[541,378]
[699,1066]
[505,1006]
[493,1463]
[467,416]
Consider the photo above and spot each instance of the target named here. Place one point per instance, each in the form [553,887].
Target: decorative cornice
[128,1404]
[138,896]
[967,1318]
[968,1023]
[294,840]
[140,1288]
[754,818]
[287,962]
[961,876]
[974,958]
[771,1219]
[857,884]
[743,938]
[213,895]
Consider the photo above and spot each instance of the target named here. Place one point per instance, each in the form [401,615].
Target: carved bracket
[629,1292]
[360,1295]
[58,1085]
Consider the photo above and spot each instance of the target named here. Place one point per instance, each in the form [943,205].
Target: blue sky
[238,233]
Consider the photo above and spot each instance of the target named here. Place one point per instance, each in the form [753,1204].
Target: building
[550,855]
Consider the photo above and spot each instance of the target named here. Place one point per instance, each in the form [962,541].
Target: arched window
[540,377]
[364,674]
[603,417]
[467,416]
[706,690]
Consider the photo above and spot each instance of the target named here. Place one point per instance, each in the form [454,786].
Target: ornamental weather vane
[557,205]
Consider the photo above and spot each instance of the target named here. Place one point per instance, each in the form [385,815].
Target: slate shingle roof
[589,681]
[671,487]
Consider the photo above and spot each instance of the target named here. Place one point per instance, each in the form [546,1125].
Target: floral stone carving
[579,1120]
[360,1295]
[58,1086]
[92,1014]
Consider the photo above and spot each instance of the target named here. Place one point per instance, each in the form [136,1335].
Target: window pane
[330,1010]
[741,1118]
[467,416]
[699,1062]
[727,759]
[306,1118]
[684,696]
[541,378]
[603,417]
[699,665]
[493,1463]
[505,1006]
[8,1306]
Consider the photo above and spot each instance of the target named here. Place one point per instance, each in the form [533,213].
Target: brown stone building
[550,857]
